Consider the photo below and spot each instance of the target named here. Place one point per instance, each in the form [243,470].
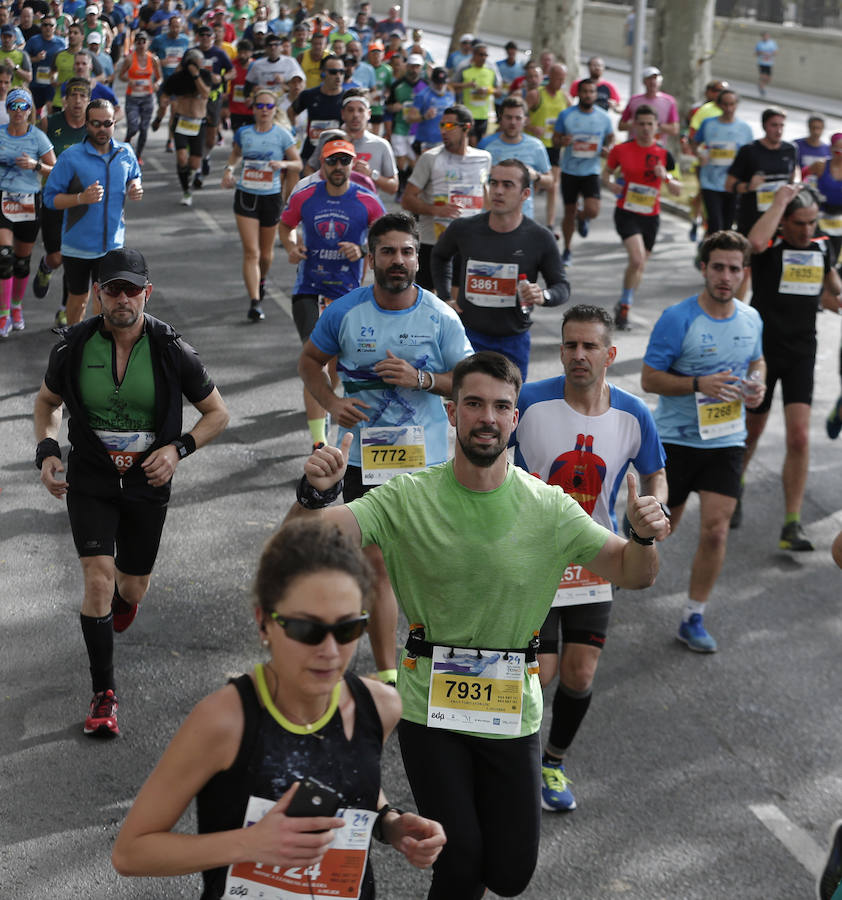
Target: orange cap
[332,147]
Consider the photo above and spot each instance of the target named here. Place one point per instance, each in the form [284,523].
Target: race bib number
[387,452]
[584,146]
[258,174]
[125,447]
[718,418]
[802,272]
[319,125]
[476,690]
[18,207]
[238,95]
[640,198]
[578,585]
[491,284]
[141,85]
[43,75]
[188,127]
[468,197]
[831,225]
[173,57]
[721,153]
[766,194]
[339,874]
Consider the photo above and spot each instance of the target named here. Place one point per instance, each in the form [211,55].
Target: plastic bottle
[522,283]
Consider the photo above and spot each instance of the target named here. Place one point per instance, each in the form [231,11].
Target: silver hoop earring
[265,642]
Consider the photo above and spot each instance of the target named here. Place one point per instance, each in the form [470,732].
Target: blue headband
[18,94]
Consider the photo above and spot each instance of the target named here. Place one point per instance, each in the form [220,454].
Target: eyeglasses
[339,159]
[115,288]
[264,105]
[19,106]
[48,24]
[449,126]
[334,71]
[96,123]
[307,631]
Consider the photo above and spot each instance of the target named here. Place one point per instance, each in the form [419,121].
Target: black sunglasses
[339,159]
[115,288]
[307,631]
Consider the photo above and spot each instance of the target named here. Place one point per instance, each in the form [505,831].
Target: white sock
[693,606]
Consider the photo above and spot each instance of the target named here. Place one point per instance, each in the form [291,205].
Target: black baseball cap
[439,75]
[124,265]
[204,29]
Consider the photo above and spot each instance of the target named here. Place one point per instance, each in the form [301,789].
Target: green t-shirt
[384,76]
[61,134]
[477,569]
[479,103]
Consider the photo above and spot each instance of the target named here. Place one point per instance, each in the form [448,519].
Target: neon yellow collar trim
[282,720]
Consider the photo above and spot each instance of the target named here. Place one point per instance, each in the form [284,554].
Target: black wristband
[45,448]
[189,443]
[695,384]
[310,498]
[644,542]
[377,830]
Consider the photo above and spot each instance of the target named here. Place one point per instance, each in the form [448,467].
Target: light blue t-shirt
[529,150]
[722,140]
[589,131]
[510,71]
[259,147]
[428,131]
[34,144]
[687,341]
[765,52]
[428,334]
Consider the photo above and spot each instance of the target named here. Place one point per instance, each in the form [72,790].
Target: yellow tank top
[544,117]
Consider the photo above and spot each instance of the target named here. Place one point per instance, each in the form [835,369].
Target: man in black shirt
[496,250]
[323,103]
[793,276]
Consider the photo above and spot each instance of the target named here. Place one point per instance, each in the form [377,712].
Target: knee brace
[20,269]
[7,263]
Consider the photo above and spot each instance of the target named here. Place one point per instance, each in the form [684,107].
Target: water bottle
[522,284]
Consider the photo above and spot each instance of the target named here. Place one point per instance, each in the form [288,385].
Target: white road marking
[209,221]
[795,839]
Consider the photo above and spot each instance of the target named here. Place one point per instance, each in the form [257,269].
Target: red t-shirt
[642,189]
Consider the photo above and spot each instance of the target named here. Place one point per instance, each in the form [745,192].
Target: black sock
[184,177]
[569,709]
[99,639]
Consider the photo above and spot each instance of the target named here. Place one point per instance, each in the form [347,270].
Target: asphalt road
[696,776]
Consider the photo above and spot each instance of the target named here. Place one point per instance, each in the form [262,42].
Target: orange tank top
[141,79]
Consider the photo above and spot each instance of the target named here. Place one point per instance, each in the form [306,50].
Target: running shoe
[555,793]
[198,184]
[582,227]
[565,258]
[186,199]
[621,317]
[123,613]
[737,515]
[831,875]
[695,635]
[205,166]
[156,123]
[256,313]
[102,719]
[170,146]
[41,282]
[833,424]
[694,232]
[793,538]
[5,326]
[61,318]
[17,319]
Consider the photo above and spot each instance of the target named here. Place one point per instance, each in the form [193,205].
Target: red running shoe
[123,613]
[102,719]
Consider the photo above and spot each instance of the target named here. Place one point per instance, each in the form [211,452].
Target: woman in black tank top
[300,716]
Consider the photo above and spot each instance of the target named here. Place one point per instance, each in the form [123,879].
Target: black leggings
[486,793]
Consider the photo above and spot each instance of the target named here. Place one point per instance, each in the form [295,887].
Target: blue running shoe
[833,423]
[555,793]
[831,876]
[694,634]
[582,227]
[565,258]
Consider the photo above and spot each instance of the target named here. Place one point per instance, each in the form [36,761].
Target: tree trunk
[467,21]
[682,46]
[558,27]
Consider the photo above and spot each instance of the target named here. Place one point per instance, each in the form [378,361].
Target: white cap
[649,71]
[260,28]
[466,37]
[92,9]
[94,38]
[415,59]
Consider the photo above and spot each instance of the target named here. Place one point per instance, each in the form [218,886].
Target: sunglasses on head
[19,106]
[264,105]
[307,631]
[97,123]
[115,288]
[339,159]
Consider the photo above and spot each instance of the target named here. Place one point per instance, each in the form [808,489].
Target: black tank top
[271,758]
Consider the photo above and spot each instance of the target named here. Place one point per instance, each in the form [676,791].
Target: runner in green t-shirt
[474,549]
